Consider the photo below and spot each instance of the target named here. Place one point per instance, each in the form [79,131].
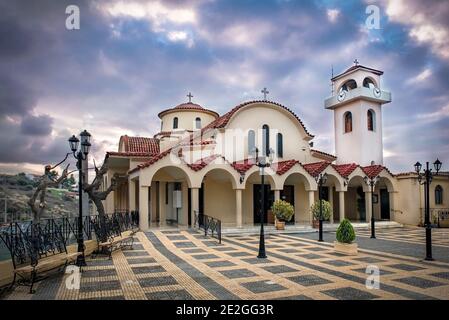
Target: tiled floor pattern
[179,264]
[440,236]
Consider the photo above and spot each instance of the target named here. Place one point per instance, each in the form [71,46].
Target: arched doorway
[252,196]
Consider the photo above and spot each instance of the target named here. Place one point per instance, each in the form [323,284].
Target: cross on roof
[190,96]
[265,92]
[356,62]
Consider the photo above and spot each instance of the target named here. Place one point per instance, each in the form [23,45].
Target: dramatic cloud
[132,59]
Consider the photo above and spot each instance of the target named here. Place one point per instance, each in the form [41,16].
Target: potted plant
[345,238]
[326,212]
[283,211]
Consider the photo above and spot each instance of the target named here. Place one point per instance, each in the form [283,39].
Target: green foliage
[345,232]
[283,210]
[327,210]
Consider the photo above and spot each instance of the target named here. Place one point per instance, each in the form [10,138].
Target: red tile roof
[151,161]
[243,166]
[189,106]
[316,168]
[222,121]
[345,169]
[201,163]
[283,166]
[140,145]
[374,170]
[128,154]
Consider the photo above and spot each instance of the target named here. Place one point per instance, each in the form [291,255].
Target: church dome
[188,106]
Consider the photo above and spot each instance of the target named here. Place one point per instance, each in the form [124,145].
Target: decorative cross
[356,62]
[265,92]
[190,96]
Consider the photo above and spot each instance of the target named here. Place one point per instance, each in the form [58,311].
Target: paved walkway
[182,264]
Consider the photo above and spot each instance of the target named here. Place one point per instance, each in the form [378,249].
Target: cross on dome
[265,92]
[356,62]
[190,96]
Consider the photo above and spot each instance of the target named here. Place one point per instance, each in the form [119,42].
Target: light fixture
[73,142]
[437,165]
[418,167]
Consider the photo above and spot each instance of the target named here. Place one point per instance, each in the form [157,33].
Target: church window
[371,117]
[266,139]
[438,194]
[198,123]
[348,122]
[251,141]
[280,146]
[368,83]
[349,85]
[175,123]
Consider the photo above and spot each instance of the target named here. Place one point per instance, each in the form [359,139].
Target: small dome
[189,106]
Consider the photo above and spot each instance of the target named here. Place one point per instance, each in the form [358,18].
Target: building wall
[219,200]
[186,120]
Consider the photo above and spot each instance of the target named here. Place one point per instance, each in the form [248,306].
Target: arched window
[349,85]
[175,123]
[266,139]
[280,146]
[368,83]
[371,117]
[198,123]
[251,141]
[348,122]
[438,194]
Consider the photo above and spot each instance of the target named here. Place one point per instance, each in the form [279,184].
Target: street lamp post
[320,180]
[371,182]
[80,155]
[262,163]
[426,175]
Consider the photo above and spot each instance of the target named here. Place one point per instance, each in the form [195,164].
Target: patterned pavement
[181,264]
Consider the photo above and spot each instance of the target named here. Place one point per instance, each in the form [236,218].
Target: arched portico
[357,197]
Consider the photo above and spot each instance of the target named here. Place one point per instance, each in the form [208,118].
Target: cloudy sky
[132,59]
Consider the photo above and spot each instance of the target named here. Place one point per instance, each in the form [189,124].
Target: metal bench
[36,250]
[113,232]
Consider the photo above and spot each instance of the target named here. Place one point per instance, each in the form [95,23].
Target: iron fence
[209,224]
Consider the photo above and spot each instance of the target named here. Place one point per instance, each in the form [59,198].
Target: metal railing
[209,224]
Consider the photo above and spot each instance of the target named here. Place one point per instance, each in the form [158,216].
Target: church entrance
[288,194]
[384,204]
[257,200]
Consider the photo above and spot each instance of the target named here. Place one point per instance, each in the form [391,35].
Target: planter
[346,248]
[280,225]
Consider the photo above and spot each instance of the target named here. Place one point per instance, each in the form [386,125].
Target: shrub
[345,232]
[282,210]
[327,210]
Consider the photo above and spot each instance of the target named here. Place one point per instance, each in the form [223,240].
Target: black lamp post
[427,174]
[371,182]
[80,156]
[262,163]
[320,180]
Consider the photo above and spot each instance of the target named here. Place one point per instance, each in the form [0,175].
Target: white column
[162,204]
[143,207]
[368,199]
[341,202]
[131,195]
[194,203]
[311,202]
[277,195]
[331,201]
[238,208]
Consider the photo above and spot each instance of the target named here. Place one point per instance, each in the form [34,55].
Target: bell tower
[357,101]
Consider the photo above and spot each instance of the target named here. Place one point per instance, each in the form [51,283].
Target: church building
[204,163]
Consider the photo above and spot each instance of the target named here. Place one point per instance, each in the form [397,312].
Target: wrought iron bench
[113,232]
[36,250]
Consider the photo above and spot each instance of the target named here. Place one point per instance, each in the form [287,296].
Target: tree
[48,180]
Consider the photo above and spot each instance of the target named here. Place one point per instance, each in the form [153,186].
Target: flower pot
[280,225]
[346,248]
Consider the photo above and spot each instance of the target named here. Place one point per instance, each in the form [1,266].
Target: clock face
[377,92]
[341,95]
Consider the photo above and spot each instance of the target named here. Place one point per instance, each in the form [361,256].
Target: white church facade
[201,162]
